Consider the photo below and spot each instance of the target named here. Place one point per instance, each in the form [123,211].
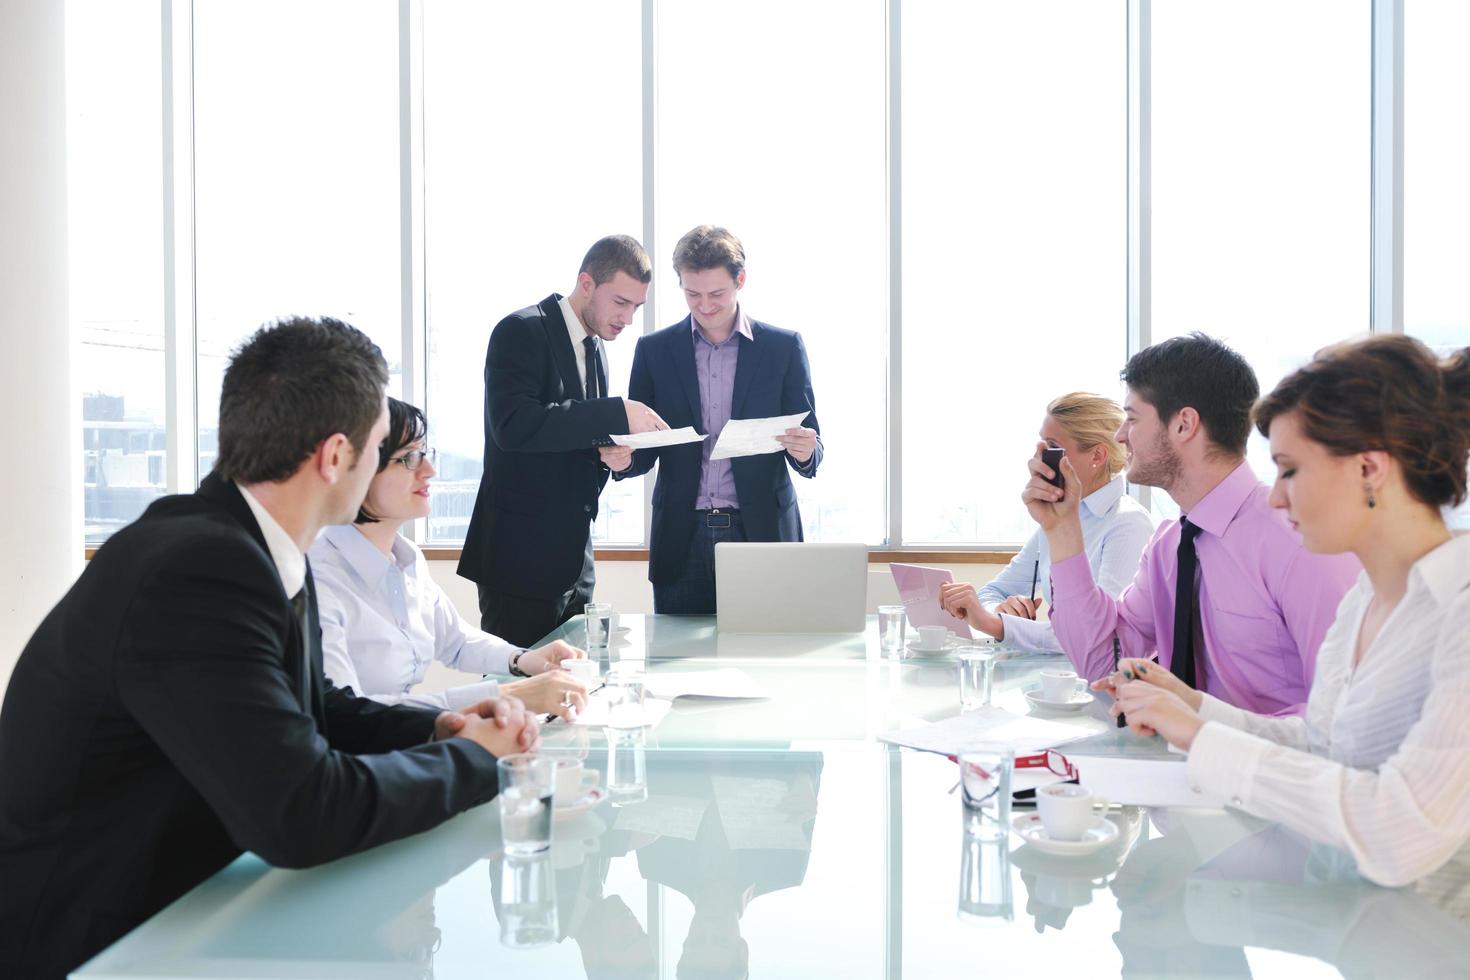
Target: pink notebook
[918,587]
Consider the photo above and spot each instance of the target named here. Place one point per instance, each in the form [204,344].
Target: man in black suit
[171,711]
[547,412]
[714,365]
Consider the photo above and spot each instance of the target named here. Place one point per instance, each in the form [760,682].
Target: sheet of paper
[753,437]
[754,814]
[727,682]
[663,437]
[654,712]
[1141,782]
[989,724]
[664,816]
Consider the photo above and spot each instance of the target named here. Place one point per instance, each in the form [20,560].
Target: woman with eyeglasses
[384,620]
[1370,442]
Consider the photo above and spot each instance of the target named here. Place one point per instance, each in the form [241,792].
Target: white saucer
[1078,702]
[566,811]
[1033,832]
[949,644]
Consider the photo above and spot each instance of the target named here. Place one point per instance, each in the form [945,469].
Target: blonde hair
[1093,421]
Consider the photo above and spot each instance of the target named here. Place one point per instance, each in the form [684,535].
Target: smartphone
[1052,456]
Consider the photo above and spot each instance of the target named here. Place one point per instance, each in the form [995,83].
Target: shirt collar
[1445,571]
[1219,507]
[362,555]
[742,327]
[290,562]
[1104,498]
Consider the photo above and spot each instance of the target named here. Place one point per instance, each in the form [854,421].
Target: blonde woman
[1115,529]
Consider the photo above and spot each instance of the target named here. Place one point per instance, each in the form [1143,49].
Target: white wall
[40,491]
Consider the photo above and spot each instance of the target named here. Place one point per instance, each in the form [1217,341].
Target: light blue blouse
[384,620]
[1115,530]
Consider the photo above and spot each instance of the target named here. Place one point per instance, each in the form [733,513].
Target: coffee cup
[932,638]
[1067,810]
[1060,686]
[573,781]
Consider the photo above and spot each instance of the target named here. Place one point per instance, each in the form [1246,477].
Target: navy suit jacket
[772,377]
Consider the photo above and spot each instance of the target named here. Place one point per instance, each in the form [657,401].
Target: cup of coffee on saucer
[575,784]
[931,639]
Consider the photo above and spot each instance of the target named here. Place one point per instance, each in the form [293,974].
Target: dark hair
[1388,393]
[406,426]
[1201,373]
[709,247]
[613,254]
[294,383]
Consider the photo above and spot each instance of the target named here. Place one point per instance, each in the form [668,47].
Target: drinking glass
[985,790]
[627,767]
[985,880]
[527,901]
[977,668]
[527,784]
[598,617]
[624,693]
[891,622]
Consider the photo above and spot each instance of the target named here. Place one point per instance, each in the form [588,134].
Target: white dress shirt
[384,620]
[1380,765]
[578,333]
[1115,530]
[290,562]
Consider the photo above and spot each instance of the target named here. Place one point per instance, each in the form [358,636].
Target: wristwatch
[515,665]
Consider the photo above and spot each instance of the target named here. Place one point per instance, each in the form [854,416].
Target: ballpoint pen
[1118,655]
[1035,575]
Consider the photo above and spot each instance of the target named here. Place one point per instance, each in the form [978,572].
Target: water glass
[598,617]
[527,784]
[527,901]
[891,622]
[985,880]
[985,790]
[977,669]
[627,768]
[623,692]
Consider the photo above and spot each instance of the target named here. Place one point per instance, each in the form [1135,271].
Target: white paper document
[727,682]
[755,814]
[596,716]
[664,816]
[989,724]
[753,437]
[1141,782]
[663,437]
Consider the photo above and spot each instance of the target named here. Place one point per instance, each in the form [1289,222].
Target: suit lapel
[747,368]
[683,354]
[560,343]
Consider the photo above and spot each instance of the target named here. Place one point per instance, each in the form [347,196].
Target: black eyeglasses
[414,459]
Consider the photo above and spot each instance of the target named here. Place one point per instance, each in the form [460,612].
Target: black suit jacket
[538,495]
[156,726]
[772,377]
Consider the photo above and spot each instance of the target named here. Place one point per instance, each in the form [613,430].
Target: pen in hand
[1117,656]
[1035,574]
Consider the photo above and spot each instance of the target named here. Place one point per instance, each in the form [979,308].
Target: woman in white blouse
[1370,442]
[384,620]
[1115,529]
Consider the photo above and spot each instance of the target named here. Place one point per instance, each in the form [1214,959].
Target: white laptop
[798,587]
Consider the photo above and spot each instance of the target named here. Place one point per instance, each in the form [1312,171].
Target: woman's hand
[1019,606]
[550,656]
[960,601]
[556,692]
[1153,710]
[1149,672]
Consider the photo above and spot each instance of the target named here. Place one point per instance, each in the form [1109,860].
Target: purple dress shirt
[1265,602]
[714,365]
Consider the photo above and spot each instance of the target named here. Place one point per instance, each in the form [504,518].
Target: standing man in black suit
[171,711]
[714,365]
[547,412]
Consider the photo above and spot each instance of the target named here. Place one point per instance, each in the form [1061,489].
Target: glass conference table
[778,838]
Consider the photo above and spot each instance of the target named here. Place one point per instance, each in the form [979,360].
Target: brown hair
[1388,393]
[709,247]
[613,254]
[1093,421]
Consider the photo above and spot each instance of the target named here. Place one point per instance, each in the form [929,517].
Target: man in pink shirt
[1256,603]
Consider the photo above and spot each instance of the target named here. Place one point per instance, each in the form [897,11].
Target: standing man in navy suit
[714,365]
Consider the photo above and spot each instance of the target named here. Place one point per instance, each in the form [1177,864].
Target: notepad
[991,725]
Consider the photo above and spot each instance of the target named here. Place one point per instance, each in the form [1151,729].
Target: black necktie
[303,624]
[596,382]
[1182,663]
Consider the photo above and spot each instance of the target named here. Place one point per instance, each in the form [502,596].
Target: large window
[1014,245]
[115,201]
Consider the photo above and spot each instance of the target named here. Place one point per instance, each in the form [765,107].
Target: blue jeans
[693,592]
